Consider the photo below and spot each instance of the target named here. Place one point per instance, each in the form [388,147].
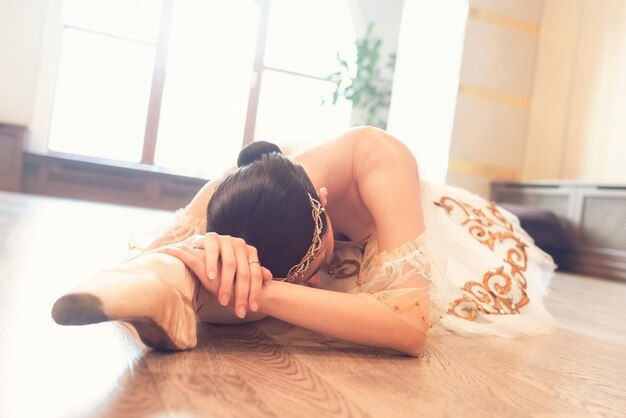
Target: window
[303,39]
[184,84]
[207,84]
[103,81]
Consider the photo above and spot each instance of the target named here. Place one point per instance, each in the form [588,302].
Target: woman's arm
[340,315]
[388,182]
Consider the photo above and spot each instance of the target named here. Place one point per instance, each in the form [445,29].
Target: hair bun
[254,151]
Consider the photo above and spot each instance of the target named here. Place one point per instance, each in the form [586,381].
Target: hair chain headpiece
[316,211]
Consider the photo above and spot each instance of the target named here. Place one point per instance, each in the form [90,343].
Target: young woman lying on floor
[343,239]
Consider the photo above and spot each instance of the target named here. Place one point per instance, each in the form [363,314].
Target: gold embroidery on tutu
[404,280]
[343,269]
[503,289]
[394,305]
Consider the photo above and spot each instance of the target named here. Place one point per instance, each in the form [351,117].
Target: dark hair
[265,202]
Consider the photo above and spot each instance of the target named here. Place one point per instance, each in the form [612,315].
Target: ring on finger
[253,261]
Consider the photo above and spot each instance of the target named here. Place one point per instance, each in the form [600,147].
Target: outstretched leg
[154,292]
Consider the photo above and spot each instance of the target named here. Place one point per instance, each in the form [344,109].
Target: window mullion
[282,70]
[158,81]
[107,34]
[259,56]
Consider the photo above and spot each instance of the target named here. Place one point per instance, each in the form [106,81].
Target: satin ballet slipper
[153,292]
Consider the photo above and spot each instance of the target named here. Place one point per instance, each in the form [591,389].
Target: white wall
[494,94]
[578,116]
[21,24]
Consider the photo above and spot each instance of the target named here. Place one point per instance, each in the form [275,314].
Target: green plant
[364,83]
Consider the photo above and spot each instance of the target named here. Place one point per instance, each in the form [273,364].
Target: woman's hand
[212,256]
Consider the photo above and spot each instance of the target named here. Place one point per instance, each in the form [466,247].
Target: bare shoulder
[363,148]
[331,164]
[376,148]
[388,182]
[341,147]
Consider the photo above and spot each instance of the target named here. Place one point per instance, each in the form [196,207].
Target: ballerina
[399,255]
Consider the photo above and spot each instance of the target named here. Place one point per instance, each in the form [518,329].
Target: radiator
[594,216]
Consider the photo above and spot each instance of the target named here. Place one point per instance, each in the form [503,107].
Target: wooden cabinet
[11,145]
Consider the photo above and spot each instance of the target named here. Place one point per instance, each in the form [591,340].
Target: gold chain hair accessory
[316,210]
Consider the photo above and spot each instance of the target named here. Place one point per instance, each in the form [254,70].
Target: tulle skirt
[495,276]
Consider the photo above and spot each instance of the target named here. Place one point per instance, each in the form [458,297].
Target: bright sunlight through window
[107,78]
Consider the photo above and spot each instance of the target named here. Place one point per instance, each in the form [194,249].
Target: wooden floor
[272,368]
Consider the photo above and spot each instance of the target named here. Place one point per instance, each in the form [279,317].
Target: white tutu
[486,275]
[496,277]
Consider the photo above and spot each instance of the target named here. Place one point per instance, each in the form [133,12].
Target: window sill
[80,177]
[113,165]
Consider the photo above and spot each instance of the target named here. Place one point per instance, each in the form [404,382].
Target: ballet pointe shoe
[153,292]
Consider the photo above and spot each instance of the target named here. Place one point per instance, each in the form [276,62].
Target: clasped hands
[221,263]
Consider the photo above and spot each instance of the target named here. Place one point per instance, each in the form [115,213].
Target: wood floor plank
[294,388]
[137,395]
